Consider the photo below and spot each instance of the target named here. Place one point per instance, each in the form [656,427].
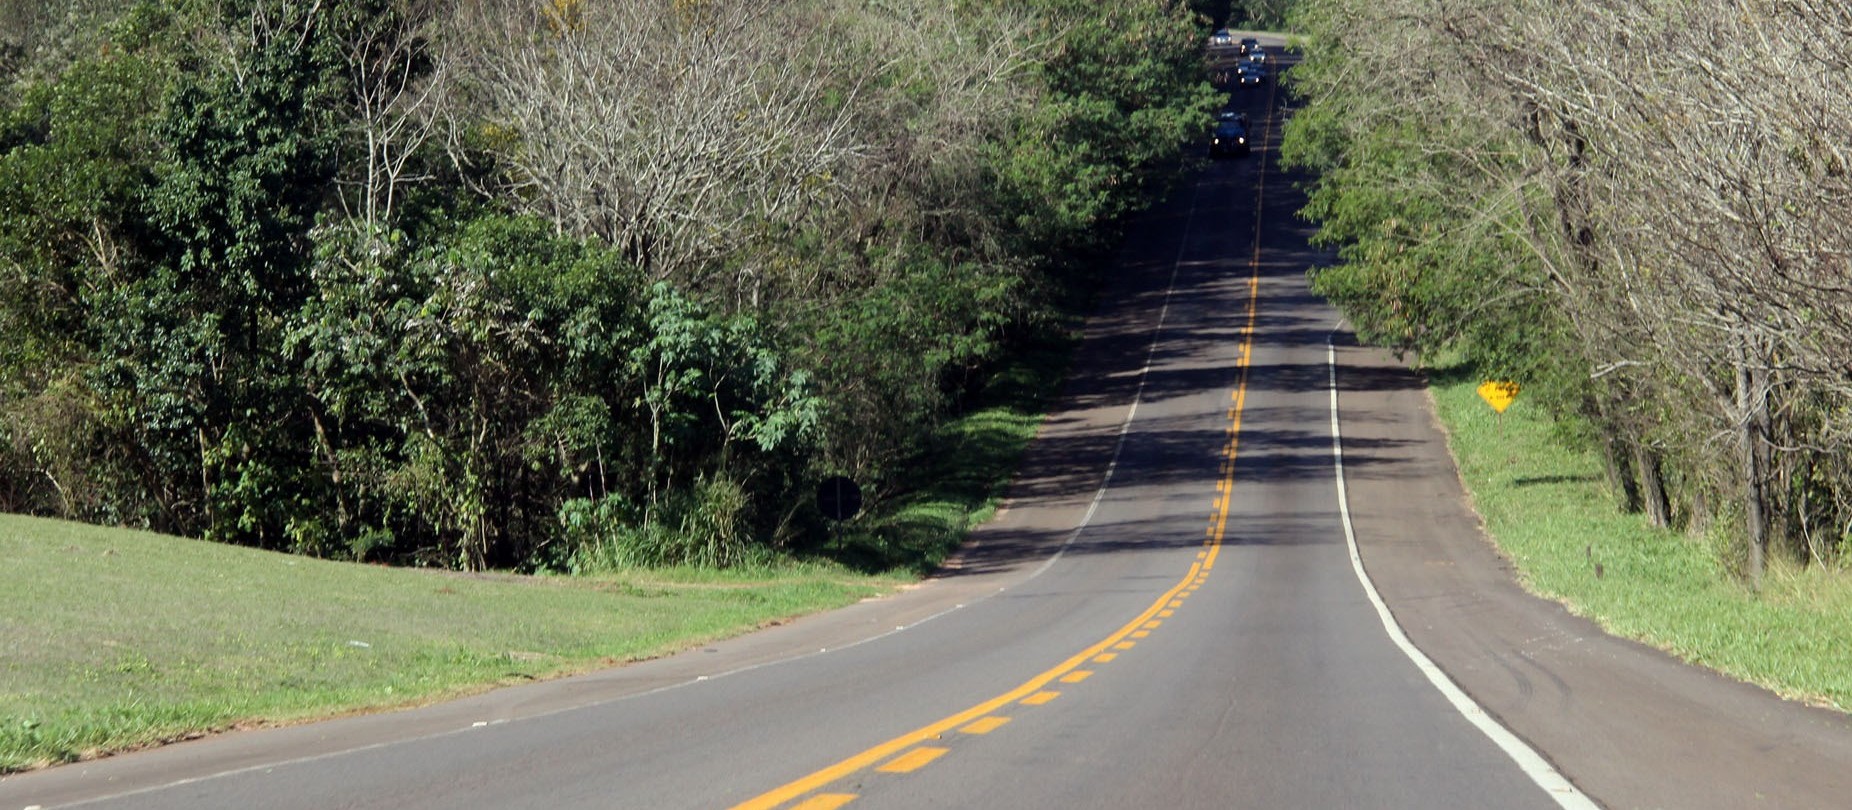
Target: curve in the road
[1534,765]
[979,719]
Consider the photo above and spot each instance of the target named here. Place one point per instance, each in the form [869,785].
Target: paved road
[1166,615]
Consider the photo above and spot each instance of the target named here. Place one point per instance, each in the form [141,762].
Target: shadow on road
[1171,447]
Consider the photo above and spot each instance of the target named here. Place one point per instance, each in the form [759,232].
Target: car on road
[1249,44]
[1248,74]
[1221,37]
[1229,138]
[1258,56]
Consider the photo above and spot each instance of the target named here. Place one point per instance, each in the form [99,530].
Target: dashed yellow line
[880,753]
[985,725]
[977,719]
[912,760]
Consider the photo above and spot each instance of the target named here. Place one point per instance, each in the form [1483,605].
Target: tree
[1689,223]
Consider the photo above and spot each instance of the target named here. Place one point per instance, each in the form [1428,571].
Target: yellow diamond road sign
[1498,394]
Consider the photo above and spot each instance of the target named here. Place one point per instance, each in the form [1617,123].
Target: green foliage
[960,472]
[76,154]
[706,526]
[709,379]
[246,162]
[223,320]
[1488,201]
[1264,15]
[1429,227]
[1545,506]
[1125,90]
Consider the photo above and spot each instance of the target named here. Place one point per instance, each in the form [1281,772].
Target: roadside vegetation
[115,639]
[1249,15]
[1546,504]
[1582,199]
[118,639]
[548,285]
[589,294]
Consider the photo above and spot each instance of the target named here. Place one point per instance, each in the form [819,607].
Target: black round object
[839,498]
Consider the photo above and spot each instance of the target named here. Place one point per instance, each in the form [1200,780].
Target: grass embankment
[1548,508]
[112,639]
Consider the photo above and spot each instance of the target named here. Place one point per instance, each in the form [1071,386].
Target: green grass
[1548,509]
[114,639]
[966,470]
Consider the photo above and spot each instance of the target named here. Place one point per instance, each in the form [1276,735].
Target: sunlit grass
[1548,509]
[111,639]
[114,639]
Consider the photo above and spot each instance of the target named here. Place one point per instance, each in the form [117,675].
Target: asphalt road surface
[1167,614]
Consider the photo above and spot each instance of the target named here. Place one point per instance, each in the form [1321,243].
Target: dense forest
[520,283]
[1640,210]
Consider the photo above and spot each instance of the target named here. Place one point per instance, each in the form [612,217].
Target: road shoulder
[1630,725]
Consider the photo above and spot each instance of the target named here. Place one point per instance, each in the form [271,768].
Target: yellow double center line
[978,719]
[1030,687]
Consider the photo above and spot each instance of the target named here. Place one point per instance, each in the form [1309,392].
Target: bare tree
[1679,173]
[677,132]
[397,82]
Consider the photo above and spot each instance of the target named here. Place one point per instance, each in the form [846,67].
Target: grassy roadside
[1547,508]
[113,639]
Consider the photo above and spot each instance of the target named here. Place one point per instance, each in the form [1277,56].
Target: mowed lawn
[1547,508]
[111,639]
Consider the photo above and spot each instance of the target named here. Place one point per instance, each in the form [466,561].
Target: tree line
[527,283]
[1639,209]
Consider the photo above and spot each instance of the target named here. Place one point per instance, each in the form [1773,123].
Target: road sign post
[838,498]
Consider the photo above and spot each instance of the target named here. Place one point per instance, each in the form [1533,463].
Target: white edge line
[1125,427]
[451,732]
[1527,758]
[1144,373]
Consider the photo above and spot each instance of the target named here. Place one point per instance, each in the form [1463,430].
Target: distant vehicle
[1258,56]
[1248,74]
[1221,37]
[1230,138]
[1249,44]
[1233,115]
